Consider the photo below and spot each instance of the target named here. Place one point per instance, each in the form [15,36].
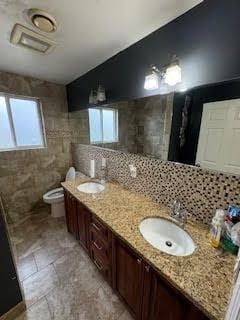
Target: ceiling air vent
[42,20]
[29,39]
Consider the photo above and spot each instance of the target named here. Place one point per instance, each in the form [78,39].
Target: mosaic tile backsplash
[200,191]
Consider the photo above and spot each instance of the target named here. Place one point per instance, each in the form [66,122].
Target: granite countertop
[205,277]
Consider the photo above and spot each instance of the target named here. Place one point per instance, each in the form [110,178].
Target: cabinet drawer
[98,243]
[101,262]
[99,227]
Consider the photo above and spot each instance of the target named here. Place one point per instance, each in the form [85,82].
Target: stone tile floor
[58,279]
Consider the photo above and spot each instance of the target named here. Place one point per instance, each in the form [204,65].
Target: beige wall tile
[26,175]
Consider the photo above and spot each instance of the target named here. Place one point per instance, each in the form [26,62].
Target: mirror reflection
[199,127]
[141,126]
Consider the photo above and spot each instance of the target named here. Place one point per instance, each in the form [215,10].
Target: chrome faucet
[177,214]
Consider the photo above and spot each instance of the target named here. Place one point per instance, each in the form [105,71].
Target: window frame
[115,111]
[7,97]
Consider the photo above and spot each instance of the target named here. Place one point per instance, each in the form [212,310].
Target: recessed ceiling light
[42,20]
[29,39]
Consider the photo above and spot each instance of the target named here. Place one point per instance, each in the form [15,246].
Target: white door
[219,139]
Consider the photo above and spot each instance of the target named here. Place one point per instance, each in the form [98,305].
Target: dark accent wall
[10,293]
[206,40]
[174,149]
[210,93]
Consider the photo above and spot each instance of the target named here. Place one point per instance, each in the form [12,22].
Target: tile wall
[200,191]
[144,126]
[26,175]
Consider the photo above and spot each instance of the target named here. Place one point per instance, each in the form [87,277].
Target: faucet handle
[176,206]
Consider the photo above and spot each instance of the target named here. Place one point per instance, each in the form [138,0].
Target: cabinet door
[147,291]
[195,314]
[83,221]
[165,303]
[71,214]
[67,210]
[73,211]
[162,302]
[127,278]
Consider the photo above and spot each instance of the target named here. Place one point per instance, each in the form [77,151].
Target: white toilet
[55,197]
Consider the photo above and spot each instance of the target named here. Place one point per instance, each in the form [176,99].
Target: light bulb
[101,95]
[93,97]
[151,81]
[173,75]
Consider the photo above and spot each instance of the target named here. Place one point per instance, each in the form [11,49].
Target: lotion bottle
[216,228]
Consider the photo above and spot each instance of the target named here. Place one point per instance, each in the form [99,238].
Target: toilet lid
[71,174]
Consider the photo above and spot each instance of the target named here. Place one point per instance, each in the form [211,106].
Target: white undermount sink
[166,236]
[91,187]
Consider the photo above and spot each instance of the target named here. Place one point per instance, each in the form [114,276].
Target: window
[103,124]
[20,123]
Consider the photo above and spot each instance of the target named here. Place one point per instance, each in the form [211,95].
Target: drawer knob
[97,246]
[139,261]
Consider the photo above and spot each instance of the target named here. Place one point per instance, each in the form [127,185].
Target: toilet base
[58,209]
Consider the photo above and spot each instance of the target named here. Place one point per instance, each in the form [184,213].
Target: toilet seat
[54,196]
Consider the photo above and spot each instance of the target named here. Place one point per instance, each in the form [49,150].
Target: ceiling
[90,32]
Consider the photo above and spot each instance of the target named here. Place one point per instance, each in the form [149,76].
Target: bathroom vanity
[152,284]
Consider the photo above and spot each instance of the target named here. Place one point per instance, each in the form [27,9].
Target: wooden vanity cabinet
[92,234]
[83,221]
[101,247]
[194,313]
[77,220]
[162,301]
[71,214]
[145,292]
[128,276]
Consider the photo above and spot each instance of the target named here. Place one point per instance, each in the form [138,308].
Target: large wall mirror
[206,127]
[219,138]
[140,126]
[198,127]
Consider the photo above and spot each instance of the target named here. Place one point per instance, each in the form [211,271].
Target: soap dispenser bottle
[216,227]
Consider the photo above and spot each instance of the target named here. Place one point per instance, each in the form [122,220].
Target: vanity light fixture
[152,79]
[96,96]
[93,97]
[101,95]
[167,77]
[173,73]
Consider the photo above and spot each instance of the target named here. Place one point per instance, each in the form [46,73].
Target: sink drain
[168,243]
